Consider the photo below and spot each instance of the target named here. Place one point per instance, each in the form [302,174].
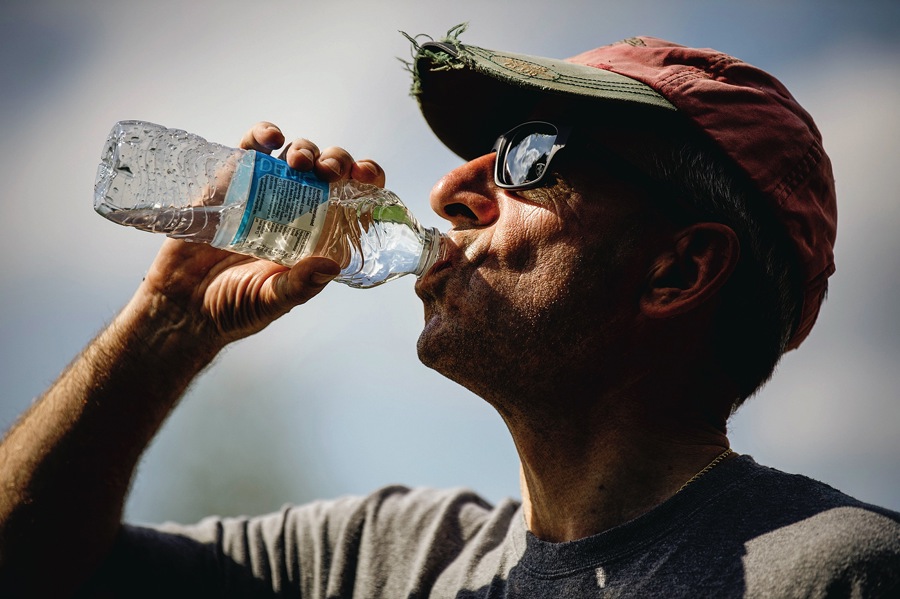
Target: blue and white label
[284,212]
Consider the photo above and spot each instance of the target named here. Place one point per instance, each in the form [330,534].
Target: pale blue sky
[332,399]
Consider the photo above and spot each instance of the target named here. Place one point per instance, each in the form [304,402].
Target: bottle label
[284,213]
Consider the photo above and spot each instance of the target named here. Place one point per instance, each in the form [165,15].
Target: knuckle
[337,153]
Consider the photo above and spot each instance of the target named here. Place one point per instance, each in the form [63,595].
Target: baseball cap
[469,95]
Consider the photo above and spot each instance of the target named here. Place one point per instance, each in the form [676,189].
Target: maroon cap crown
[753,118]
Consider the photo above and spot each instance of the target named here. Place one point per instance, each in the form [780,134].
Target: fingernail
[308,155]
[371,168]
[320,278]
[333,165]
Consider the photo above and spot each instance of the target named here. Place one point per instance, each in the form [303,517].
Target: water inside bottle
[370,250]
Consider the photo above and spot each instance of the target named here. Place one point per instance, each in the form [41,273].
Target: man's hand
[223,296]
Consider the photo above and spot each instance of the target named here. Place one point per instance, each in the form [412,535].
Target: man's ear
[691,271]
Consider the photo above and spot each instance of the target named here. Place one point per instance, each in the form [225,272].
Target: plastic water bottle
[173,182]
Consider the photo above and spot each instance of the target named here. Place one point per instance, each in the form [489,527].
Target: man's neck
[581,476]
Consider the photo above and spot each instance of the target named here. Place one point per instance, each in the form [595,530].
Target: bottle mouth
[435,250]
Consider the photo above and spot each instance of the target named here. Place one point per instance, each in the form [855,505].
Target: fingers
[263,137]
[331,164]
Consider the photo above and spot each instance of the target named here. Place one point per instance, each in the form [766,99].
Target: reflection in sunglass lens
[524,154]
[527,157]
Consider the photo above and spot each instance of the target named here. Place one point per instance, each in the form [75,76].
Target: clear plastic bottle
[173,182]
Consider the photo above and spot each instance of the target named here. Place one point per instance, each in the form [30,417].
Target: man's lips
[438,266]
[429,280]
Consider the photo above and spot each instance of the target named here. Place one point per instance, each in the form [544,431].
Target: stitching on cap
[681,76]
[632,41]
[634,88]
[722,62]
[564,78]
[583,82]
[799,173]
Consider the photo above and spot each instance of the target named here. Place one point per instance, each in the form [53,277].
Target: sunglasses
[524,154]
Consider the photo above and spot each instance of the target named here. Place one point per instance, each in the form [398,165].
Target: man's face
[540,283]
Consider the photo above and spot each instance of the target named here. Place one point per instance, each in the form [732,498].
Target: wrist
[154,324]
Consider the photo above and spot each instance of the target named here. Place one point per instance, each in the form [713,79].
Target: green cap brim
[470,95]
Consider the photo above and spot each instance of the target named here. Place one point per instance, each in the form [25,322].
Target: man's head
[715,140]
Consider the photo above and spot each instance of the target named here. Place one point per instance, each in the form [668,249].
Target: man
[652,230]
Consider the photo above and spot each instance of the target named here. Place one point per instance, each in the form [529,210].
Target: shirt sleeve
[392,541]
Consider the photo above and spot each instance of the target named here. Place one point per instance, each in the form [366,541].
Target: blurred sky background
[332,399]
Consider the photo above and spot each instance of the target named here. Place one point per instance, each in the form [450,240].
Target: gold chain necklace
[709,467]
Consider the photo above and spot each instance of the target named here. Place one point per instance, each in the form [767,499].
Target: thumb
[306,279]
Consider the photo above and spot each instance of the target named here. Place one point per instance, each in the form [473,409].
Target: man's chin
[439,348]
[428,346]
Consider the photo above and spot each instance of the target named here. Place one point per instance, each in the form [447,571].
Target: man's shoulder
[801,533]
[845,533]
[766,488]
[853,550]
[777,517]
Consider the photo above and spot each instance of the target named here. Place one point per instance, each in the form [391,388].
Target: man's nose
[464,196]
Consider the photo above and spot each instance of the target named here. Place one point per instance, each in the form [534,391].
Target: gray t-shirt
[741,530]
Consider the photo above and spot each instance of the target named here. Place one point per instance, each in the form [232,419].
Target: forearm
[67,465]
